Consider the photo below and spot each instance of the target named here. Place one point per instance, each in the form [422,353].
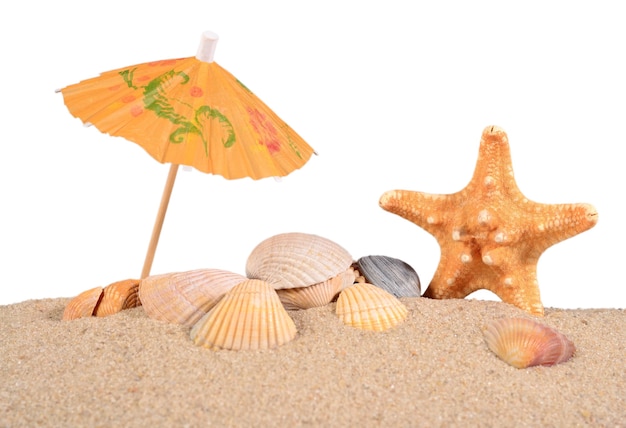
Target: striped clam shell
[185,297]
[369,307]
[391,274]
[292,260]
[315,295]
[522,342]
[249,317]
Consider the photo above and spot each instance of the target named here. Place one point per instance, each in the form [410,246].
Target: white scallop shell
[292,260]
[184,297]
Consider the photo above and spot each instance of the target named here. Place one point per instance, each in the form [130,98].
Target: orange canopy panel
[190,112]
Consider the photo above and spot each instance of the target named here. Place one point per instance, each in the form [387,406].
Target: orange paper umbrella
[189,111]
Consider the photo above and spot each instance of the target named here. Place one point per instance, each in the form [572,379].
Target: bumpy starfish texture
[490,234]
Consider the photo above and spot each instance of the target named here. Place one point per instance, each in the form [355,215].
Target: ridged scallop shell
[315,295]
[250,316]
[185,297]
[118,296]
[391,274]
[369,307]
[522,343]
[83,305]
[292,260]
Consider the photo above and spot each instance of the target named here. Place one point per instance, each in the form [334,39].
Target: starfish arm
[556,223]
[518,286]
[452,280]
[428,211]
[494,168]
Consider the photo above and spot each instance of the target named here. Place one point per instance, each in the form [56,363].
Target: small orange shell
[522,342]
[292,260]
[316,295]
[368,307]
[249,316]
[185,297]
[83,305]
[118,296]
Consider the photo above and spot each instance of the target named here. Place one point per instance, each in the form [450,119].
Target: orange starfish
[490,234]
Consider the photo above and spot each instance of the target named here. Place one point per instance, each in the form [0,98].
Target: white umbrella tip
[208,43]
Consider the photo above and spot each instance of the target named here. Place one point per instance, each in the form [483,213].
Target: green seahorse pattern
[156,101]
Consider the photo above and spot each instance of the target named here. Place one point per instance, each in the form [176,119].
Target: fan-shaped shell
[369,307]
[391,274]
[250,316]
[522,342]
[83,305]
[118,296]
[184,297]
[292,260]
[315,295]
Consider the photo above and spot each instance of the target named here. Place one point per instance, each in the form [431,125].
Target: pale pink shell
[185,297]
[522,342]
[368,307]
[250,316]
[292,260]
[317,294]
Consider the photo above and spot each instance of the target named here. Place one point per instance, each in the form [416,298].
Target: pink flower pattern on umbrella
[196,91]
[267,133]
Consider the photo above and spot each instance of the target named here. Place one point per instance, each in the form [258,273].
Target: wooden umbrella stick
[158,224]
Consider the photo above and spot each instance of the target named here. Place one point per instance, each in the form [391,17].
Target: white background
[389,95]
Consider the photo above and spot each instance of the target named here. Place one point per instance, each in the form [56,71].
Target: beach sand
[433,370]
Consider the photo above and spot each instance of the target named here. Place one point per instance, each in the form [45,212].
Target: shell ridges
[315,295]
[83,305]
[391,274]
[293,260]
[369,307]
[118,296]
[184,297]
[522,342]
[250,316]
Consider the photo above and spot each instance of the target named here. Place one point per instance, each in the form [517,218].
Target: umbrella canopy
[189,111]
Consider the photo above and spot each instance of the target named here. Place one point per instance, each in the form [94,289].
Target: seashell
[369,307]
[315,295]
[249,316]
[83,305]
[292,260]
[185,297]
[522,342]
[348,277]
[390,274]
[117,297]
